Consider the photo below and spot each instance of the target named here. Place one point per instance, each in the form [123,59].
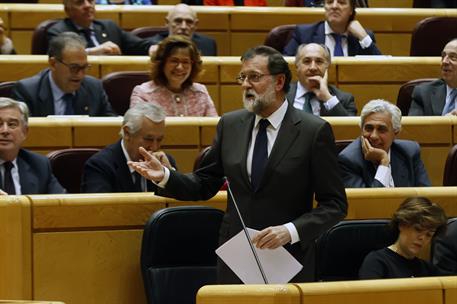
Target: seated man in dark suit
[64,88]
[340,32]
[107,171]
[445,251]
[312,93]
[377,159]
[438,97]
[103,37]
[182,20]
[21,171]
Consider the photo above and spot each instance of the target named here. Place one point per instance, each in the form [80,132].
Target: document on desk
[278,264]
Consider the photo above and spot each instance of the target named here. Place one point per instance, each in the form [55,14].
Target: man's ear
[280,81]
[52,63]
[126,132]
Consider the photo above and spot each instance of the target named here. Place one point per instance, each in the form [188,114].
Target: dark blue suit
[315,33]
[205,44]
[107,171]
[35,174]
[36,92]
[105,30]
[406,165]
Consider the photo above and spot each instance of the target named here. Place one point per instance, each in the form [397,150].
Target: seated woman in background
[175,66]
[416,221]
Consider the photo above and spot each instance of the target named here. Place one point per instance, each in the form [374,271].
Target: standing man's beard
[256,103]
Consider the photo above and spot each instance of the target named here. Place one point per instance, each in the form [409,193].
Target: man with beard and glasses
[377,159]
[276,159]
[439,97]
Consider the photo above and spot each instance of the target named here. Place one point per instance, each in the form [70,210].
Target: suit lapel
[319,34]
[352,45]
[122,170]
[292,93]
[81,101]
[45,96]
[287,134]
[245,138]
[100,32]
[399,168]
[438,99]
[27,179]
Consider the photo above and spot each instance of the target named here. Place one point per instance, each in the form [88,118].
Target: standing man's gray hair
[133,118]
[382,106]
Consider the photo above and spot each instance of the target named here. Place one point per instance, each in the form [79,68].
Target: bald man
[182,20]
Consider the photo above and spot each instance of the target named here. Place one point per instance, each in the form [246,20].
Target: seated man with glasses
[64,88]
[182,20]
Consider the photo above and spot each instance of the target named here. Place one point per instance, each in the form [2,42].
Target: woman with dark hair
[175,66]
[416,221]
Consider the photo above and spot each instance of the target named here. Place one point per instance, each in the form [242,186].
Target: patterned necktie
[449,107]
[338,51]
[9,183]
[87,35]
[260,154]
[68,100]
[307,105]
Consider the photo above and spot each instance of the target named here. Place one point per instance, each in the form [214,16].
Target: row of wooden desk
[437,290]
[366,78]
[86,248]
[234,28]
[185,137]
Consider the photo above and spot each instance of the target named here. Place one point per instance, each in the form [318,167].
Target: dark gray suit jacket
[302,164]
[346,106]
[406,165]
[315,33]
[35,174]
[445,250]
[105,30]
[428,99]
[107,171]
[205,44]
[36,92]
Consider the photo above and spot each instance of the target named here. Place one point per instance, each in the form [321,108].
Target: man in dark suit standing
[440,96]
[340,32]
[276,160]
[107,171]
[103,37]
[64,88]
[21,171]
[182,20]
[312,93]
[377,159]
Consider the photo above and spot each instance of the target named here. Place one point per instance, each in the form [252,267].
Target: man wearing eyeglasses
[64,88]
[182,20]
[276,159]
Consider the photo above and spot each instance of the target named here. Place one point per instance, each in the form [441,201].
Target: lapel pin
[104,35]
[86,108]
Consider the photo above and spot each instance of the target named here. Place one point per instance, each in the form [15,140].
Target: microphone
[229,190]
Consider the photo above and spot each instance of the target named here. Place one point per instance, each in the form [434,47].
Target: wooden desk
[234,28]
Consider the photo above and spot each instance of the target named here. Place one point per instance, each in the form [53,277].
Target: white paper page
[278,264]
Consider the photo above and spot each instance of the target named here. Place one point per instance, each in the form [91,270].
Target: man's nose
[4,127]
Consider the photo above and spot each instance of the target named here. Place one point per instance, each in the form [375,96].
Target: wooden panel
[391,3]
[394,291]
[16,248]
[124,63]
[433,130]
[55,133]
[185,158]
[213,91]
[450,289]
[22,40]
[387,70]
[222,41]
[16,67]
[96,131]
[363,93]
[88,267]
[57,212]
[382,202]
[434,159]
[231,98]
[393,44]
[242,41]
[249,294]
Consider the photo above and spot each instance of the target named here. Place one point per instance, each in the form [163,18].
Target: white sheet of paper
[278,264]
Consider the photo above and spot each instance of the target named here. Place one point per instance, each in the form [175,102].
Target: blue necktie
[88,36]
[307,105]
[451,105]
[260,155]
[338,51]
[68,100]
